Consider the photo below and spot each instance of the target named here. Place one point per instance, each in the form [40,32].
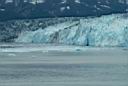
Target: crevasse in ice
[110,30]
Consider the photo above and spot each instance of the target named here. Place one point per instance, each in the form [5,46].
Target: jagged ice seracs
[109,30]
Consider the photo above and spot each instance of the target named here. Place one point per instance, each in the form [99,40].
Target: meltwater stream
[60,65]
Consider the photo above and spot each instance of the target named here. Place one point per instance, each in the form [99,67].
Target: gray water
[63,67]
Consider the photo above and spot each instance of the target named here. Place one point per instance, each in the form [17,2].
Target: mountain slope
[62,8]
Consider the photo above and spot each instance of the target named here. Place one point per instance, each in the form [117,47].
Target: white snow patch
[105,6]
[2,9]
[77,1]
[68,7]
[62,9]
[8,1]
[64,1]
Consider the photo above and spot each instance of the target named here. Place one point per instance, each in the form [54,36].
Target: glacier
[107,30]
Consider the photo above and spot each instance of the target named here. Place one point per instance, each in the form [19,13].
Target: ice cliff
[110,30]
[9,30]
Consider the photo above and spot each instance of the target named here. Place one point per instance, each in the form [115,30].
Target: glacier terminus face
[110,31]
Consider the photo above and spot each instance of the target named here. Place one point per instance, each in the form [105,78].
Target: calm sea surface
[50,65]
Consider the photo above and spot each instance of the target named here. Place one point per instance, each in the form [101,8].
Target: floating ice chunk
[11,54]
